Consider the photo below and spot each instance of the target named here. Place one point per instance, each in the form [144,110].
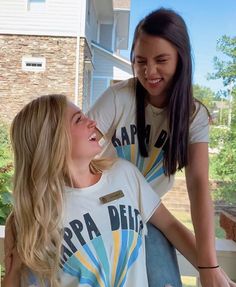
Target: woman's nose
[91,123]
[150,69]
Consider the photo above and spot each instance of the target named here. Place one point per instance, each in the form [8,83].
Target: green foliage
[223,167]
[5,194]
[217,136]
[217,106]
[5,151]
[225,69]
[226,159]
[226,193]
[205,95]
[5,174]
[233,104]
[223,164]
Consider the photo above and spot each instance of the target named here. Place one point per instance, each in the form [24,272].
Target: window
[33,64]
[36,5]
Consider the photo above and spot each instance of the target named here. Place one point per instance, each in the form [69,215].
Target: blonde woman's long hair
[40,140]
[41,145]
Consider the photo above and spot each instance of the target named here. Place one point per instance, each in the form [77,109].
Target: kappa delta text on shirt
[125,143]
[104,244]
[84,253]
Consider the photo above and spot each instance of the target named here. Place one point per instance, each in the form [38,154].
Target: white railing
[226,254]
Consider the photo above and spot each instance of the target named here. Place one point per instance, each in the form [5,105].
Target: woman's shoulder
[124,165]
[124,84]
[199,125]
[123,88]
[200,112]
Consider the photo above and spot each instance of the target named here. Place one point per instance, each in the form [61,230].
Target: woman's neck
[82,176]
[157,102]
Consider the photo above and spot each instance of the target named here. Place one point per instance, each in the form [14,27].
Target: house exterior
[60,46]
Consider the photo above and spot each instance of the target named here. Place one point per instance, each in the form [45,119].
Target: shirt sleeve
[104,112]
[199,128]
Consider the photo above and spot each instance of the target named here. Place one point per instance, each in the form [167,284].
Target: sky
[207,21]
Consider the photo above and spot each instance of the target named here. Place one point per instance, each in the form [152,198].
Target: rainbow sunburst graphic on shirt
[92,265]
[151,167]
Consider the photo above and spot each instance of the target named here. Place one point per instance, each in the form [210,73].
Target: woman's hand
[231,283]
[215,278]
[13,263]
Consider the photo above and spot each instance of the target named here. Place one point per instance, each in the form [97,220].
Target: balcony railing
[226,254]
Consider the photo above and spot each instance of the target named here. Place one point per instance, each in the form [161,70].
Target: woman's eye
[161,60]
[78,119]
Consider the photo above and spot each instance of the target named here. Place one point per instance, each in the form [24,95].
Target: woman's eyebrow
[156,57]
[163,55]
[139,57]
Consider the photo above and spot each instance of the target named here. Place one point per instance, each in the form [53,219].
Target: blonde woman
[77,221]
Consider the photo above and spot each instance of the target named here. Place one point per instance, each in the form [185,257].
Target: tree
[225,161]
[213,101]
[6,170]
[205,95]
[225,69]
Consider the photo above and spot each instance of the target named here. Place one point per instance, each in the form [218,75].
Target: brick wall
[18,87]
[228,222]
[177,198]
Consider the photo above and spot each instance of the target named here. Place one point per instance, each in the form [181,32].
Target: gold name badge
[112,196]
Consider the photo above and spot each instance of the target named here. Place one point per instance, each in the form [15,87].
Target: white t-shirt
[104,243]
[115,114]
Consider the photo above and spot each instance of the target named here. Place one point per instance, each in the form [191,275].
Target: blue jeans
[162,265]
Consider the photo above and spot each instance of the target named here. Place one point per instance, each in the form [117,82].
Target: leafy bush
[5,150]
[5,174]
[5,193]
[223,167]
[217,136]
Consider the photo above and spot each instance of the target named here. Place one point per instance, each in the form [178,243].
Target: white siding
[122,29]
[59,18]
[107,67]
[91,29]
[98,87]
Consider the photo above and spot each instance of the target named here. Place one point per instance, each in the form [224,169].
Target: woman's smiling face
[84,142]
[155,62]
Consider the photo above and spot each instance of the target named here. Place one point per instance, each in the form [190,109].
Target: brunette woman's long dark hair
[170,26]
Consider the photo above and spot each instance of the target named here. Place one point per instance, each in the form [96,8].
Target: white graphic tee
[115,114]
[104,244]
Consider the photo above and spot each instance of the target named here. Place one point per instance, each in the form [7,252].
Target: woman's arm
[202,211]
[180,236]
[12,260]
[185,242]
